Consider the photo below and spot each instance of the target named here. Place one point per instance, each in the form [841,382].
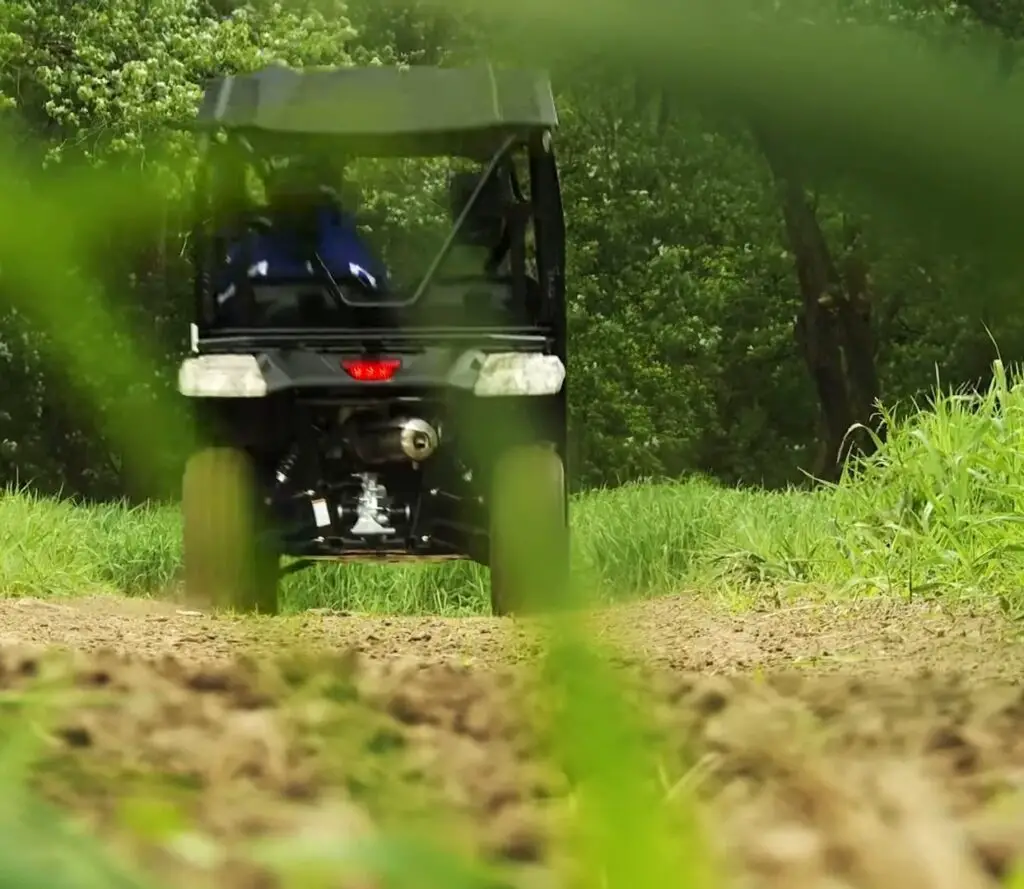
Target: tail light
[371,370]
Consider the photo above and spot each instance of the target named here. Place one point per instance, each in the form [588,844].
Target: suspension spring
[287,465]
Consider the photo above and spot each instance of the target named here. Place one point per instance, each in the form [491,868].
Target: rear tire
[230,560]
[529,546]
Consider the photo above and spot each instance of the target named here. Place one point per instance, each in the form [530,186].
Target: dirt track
[878,745]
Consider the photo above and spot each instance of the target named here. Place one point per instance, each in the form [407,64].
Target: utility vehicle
[344,419]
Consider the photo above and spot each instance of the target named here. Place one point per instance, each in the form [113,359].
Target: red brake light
[371,370]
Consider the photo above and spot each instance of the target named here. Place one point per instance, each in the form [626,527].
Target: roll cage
[493,118]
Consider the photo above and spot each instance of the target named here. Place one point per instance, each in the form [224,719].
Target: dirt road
[872,745]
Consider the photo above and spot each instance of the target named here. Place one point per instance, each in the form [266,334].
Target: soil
[876,744]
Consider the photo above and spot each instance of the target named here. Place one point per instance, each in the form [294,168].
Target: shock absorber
[290,502]
[287,466]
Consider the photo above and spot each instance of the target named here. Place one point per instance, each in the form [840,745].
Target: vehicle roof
[408,111]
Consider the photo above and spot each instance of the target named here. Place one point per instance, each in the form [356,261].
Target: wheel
[529,547]
[229,559]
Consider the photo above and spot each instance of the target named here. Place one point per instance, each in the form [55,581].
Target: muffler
[402,438]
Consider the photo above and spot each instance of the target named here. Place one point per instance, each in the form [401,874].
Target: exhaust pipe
[417,439]
[408,438]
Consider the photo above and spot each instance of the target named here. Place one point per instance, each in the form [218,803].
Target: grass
[936,512]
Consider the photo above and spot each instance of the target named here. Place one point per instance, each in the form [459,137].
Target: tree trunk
[834,328]
[859,344]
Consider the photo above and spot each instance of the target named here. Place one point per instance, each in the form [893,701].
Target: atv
[342,419]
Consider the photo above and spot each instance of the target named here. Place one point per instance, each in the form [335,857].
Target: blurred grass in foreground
[935,512]
[923,120]
[932,513]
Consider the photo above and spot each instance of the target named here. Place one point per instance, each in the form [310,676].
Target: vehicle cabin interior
[484,274]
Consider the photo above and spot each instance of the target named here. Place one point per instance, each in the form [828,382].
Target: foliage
[682,283]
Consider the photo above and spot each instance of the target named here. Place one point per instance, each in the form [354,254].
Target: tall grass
[937,511]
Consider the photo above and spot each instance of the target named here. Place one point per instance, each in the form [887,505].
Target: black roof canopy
[376,111]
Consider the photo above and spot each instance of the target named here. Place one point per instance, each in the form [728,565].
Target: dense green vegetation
[732,314]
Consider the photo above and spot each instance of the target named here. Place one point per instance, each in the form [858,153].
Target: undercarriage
[365,480]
